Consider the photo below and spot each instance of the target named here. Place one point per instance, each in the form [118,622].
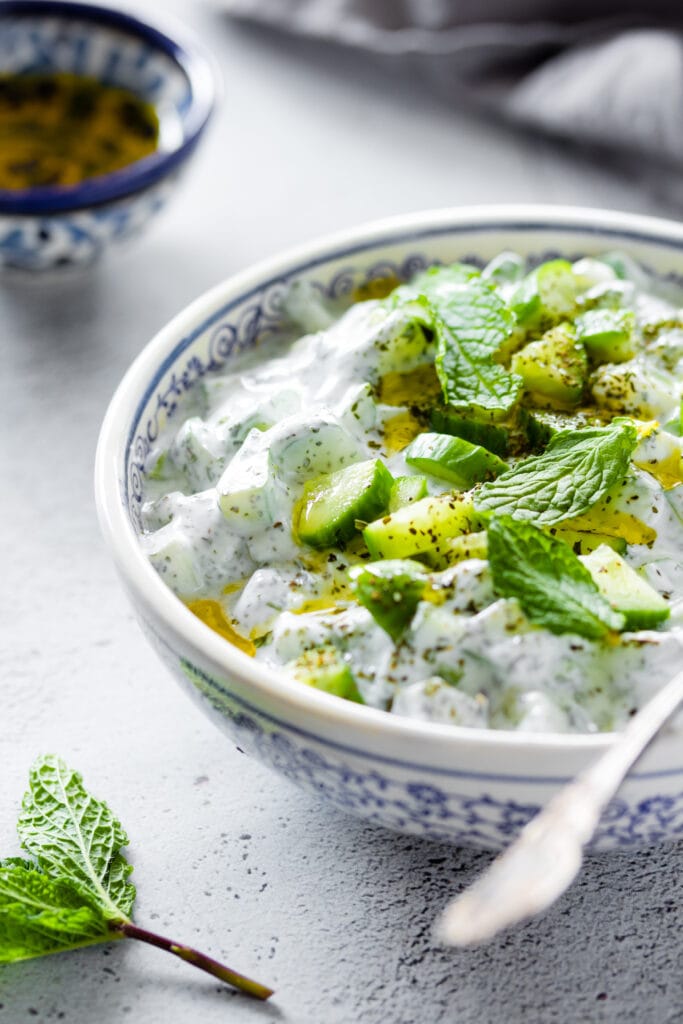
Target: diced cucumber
[246,490]
[583,543]
[453,459]
[546,296]
[607,334]
[303,447]
[625,590]
[541,424]
[494,436]
[506,267]
[636,388]
[590,272]
[391,591]
[612,294]
[457,549]
[422,526]
[332,503]
[555,368]
[325,669]
[405,490]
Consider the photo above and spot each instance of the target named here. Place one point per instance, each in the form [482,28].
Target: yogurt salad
[459,501]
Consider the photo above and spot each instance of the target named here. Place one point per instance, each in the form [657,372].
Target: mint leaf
[391,591]
[553,587]
[435,283]
[577,468]
[39,915]
[72,834]
[471,325]
[76,890]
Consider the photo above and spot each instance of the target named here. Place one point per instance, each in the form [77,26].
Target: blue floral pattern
[417,807]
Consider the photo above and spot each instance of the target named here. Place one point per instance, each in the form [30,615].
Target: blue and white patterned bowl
[467,786]
[49,227]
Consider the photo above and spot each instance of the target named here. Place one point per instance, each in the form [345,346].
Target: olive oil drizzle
[59,129]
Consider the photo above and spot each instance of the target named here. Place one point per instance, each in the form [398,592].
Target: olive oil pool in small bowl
[59,129]
[99,114]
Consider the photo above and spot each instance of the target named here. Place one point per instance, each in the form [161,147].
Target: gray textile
[603,73]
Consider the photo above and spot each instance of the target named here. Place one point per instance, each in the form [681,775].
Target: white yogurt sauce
[218,520]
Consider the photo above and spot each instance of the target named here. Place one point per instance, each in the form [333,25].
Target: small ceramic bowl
[47,227]
[467,786]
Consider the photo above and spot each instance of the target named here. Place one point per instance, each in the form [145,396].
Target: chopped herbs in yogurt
[460,502]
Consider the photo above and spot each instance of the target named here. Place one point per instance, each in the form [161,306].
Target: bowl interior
[237,319]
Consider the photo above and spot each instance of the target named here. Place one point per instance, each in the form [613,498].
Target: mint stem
[194,957]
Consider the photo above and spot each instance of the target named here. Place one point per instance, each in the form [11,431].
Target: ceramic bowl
[467,786]
[47,227]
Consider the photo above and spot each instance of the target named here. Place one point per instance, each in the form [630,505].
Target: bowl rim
[188,53]
[141,578]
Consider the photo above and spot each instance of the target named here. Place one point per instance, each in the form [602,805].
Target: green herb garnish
[577,468]
[471,326]
[75,890]
[391,591]
[552,586]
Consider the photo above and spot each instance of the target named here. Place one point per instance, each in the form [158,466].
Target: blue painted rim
[190,58]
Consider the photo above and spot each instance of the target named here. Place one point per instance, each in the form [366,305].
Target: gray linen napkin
[608,73]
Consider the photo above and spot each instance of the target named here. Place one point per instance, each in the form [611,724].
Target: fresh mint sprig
[471,324]
[553,588]
[75,890]
[577,469]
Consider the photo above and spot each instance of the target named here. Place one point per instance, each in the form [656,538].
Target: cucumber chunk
[494,436]
[423,526]
[332,503]
[506,267]
[546,296]
[405,490]
[555,368]
[453,459]
[391,591]
[542,424]
[607,334]
[625,590]
[325,669]
[457,549]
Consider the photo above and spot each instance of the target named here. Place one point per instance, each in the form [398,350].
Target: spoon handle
[542,863]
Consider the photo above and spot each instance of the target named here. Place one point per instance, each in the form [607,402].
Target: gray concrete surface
[334,914]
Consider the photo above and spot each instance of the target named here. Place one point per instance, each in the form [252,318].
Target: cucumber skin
[405,490]
[607,334]
[423,526]
[554,368]
[324,669]
[453,459]
[313,530]
[391,596]
[545,296]
[495,438]
[612,577]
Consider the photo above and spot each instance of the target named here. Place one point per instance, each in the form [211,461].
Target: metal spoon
[543,862]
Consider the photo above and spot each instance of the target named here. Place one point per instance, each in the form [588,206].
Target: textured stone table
[334,914]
